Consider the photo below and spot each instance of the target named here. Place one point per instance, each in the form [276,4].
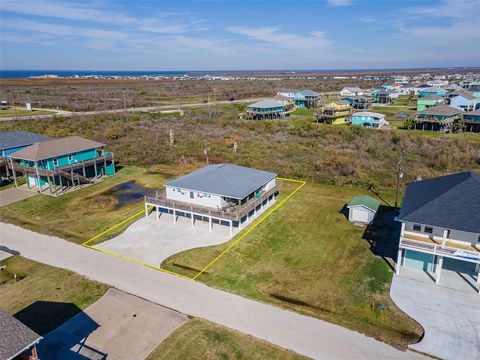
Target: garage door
[419,260]
[360,215]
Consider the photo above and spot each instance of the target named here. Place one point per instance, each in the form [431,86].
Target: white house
[351,91]
[288,93]
[408,89]
[362,209]
[223,193]
[440,227]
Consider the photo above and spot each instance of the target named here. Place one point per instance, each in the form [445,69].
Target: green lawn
[200,339]
[23,112]
[307,257]
[81,214]
[44,297]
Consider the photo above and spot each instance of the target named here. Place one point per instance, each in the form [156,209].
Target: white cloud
[340,2]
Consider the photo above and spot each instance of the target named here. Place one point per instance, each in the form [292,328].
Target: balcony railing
[457,251]
[234,213]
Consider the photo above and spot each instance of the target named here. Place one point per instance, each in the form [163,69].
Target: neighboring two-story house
[440,228]
[61,164]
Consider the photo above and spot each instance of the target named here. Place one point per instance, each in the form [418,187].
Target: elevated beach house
[222,193]
[307,99]
[336,112]
[425,102]
[267,109]
[357,102]
[62,164]
[464,100]
[440,226]
[472,121]
[351,91]
[12,141]
[368,119]
[432,90]
[437,118]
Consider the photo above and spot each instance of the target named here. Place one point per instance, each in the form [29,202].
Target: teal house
[433,90]
[62,164]
[368,119]
[472,121]
[306,99]
[438,118]
[267,109]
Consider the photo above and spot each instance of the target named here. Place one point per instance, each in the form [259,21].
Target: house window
[428,229]
[191,194]
[70,157]
[448,234]
[417,227]
[55,162]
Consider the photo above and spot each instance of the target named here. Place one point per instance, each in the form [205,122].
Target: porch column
[146,208]
[38,176]
[402,231]
[444,237]
[158,212]
[174,217]
[399,261]
[438,269]
[210,223]
[231,227]
[193,219]
[15,174]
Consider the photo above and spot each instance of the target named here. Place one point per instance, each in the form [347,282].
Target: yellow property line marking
[255,225]
[262,219]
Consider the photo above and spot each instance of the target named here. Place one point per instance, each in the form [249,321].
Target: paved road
[307,336]
[113,111]
[451,318]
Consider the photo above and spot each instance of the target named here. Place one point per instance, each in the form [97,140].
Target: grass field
[43,297]
[200,339]
[23,112]
[307,257]
[81,214]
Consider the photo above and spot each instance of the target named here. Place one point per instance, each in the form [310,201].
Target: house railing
[234,212]
[437,249]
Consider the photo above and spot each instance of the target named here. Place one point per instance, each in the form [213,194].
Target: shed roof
[15,337]
[266,103]
[56,147]
[13,139]
[451,202]
[365,200]
[224,179]
[441,109]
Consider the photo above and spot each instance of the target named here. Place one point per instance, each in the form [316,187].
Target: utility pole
[125,104]
[399,175]
[205,151]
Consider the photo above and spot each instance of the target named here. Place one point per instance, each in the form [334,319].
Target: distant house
[285,101]
[384,96]
[428,101]
[12,141]
[351,91]
[368,119]
[408,90]
[362,209]
[464,100]
[432,90]
[437,82]
[472,121]
[307,99]
[62,164]
[440,226]
[401,79]
[357,102]
[288,93]
[474,87]
[16,339]
[437,118]
[222,193]
[336,112]
[267,109]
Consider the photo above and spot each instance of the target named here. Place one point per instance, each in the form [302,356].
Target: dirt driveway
[119,326]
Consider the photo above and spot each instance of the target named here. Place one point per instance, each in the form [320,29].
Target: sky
[238,35]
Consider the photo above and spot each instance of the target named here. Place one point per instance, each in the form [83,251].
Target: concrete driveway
[14,194]
[152,241]
[118,326]
[307,336]
[450,317]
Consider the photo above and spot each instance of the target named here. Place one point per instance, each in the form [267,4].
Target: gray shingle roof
[267,103]
[224,179]
[12,139]
[54,148]
[308,92]
[441,110]
[15,337]
[433,89]
[451,202]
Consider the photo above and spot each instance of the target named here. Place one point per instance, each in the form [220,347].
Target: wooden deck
[233,213]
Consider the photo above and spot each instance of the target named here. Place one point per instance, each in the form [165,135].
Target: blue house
[12,141]
[464,100]
[62,164]
[432,90]
[267,109]
[472,121]
[368,119]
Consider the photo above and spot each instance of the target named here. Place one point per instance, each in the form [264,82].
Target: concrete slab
[153,240]
[14,194]
[449,316]
[118,326]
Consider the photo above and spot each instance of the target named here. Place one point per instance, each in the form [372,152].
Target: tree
[408,123]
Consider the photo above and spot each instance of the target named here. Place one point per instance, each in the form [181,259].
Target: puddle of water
[127,193]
